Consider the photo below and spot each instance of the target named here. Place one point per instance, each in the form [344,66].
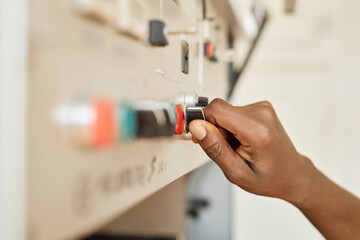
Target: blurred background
[66,64]
[306,64]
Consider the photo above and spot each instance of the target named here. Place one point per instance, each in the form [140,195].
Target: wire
[204,9]
[161,10]
[235,76]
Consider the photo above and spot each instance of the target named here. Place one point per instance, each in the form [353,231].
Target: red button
[180,119]
[209,50]
[104,126]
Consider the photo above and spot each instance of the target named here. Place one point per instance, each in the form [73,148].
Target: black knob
[157,33]
[202,102]
[191,114]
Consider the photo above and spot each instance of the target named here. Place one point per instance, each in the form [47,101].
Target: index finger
[228,117]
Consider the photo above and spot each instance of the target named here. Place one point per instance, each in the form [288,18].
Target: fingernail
[198,131]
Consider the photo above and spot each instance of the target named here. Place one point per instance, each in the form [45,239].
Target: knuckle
[214,107]
[265,103]
[217,103]
[265,134]
[215,150]
[268,112]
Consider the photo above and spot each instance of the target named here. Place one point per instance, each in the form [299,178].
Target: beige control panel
[127,53]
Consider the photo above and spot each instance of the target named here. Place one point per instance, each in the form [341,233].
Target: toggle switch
[193,113]
[185,57]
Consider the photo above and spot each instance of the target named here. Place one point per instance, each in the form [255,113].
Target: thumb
[216,147]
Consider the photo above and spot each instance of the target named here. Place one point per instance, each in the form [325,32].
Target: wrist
[304,184]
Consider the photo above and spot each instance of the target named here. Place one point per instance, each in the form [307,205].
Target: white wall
[13,65]
[308,66]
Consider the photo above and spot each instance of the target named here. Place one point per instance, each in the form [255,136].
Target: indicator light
[209,50]
[180,119]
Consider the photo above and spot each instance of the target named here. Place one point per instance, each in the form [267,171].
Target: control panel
[113,85]
[105,123]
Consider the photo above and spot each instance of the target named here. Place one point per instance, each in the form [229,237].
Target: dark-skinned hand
[255,153]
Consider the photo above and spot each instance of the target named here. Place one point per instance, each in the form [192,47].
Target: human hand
[253,150]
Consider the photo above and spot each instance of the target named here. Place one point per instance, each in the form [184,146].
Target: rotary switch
[193,113]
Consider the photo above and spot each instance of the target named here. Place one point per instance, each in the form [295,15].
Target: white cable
[161,10]
[201,57]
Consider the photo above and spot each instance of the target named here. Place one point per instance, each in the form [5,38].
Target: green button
[127,122]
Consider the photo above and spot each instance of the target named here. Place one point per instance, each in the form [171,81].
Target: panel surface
[74,191]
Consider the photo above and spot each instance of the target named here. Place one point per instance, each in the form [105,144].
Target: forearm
[331,209]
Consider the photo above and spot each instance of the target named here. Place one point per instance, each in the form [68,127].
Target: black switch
[191,114]
[157,33]
[185,57]
[202,102]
